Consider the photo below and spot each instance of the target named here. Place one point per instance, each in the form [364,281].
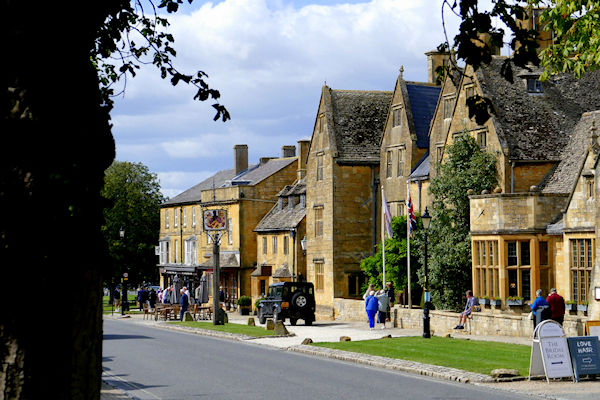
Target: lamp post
[303,244]
[426,218]
[293,237]
[124,277]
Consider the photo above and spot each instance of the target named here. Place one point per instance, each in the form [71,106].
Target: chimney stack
[436,59]
[302,157]
[288,151]
[240,158]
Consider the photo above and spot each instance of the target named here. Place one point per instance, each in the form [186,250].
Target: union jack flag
[412,220]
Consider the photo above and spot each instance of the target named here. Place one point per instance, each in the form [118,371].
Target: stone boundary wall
[488,322]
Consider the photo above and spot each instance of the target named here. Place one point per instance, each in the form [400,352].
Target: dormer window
[291,202]
[534,85]
[303,200]
[469,92]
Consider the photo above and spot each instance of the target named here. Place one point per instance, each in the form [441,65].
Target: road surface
[152,363]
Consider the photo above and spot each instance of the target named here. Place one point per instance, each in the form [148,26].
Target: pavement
[331,331]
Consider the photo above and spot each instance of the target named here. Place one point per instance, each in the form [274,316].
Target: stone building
[341,191]
[247,192]
[523,235]
[280,257]
[405,141]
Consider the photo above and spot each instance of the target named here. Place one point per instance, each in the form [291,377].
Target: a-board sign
[215,220]
[592,328]
[585,355]
[550,352]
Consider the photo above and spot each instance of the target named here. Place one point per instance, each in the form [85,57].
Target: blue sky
[269,59]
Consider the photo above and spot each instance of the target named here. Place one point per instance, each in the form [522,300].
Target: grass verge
[248,330]
[469,355]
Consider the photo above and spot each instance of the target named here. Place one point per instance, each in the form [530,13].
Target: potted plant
[583,306]
[495,302]
[514,301]
[244,303]
[256,304]
[571,305]
[485,300]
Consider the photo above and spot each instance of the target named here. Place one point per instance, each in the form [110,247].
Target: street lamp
[426,218]
[124,302]
[303,244]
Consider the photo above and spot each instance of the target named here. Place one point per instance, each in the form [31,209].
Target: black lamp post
[426,218]
[124,302]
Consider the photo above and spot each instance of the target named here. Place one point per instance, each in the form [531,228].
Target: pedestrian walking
[371,306]
[117,299]
[383,302]
[557,305]
[152,298]
[183,303]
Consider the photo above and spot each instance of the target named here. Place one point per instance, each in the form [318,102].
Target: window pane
[483,260]
[574,254]
[484,283]
[525,284]
[582,281]
[492,255]
[512,253]
[588,244]
[512,282]
[525,253]
[575,285]
[543,253]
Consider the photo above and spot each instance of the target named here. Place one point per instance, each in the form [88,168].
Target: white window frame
[193,217]
[229,231]
[184,218]
[166,218]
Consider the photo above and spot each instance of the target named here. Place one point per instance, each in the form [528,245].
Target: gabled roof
[421,171]
[285,218]
[227,178]
[423,99]
[358,119]
[537,126]
[193,194]
[564,178]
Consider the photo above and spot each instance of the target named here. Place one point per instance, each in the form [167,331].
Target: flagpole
[383,227]
[408,245]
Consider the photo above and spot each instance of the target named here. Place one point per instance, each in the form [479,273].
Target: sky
[269,59]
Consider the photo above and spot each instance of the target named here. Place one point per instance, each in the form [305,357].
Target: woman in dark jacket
[371,306]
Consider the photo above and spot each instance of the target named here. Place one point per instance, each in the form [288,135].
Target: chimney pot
[288,151]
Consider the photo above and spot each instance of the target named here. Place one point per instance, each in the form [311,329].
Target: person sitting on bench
[471,302]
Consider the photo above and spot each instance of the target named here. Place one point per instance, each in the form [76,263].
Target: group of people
[145,296]
[379,302]
[542,309]
[553,307]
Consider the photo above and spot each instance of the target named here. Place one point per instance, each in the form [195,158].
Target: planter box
[571,307]
[484,302]
[496,303]
[582,307]
[244,310]
[514,303]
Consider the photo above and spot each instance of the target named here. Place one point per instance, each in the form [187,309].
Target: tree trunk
[56,143]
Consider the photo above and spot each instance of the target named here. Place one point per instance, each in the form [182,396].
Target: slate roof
[358,121]
[537,126]
[564,178]
[421,171]
[423,100]
[285,218]
[226,178]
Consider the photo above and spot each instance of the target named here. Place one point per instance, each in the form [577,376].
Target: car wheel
[293,321]
[308,322]
[261,318]
[300,301]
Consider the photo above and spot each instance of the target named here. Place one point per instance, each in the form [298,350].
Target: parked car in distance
[293,300]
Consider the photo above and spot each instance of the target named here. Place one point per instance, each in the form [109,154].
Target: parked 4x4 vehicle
[293,300]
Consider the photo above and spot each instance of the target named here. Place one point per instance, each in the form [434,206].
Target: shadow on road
[119,337]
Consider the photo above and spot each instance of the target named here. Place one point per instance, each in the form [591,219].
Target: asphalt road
[151,363]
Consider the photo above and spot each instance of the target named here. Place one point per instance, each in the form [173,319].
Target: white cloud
[269,60]
[174,182]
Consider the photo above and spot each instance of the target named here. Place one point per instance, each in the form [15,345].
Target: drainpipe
[512,177]
[420,183]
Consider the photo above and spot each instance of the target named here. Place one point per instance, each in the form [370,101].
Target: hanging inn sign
[215,220]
